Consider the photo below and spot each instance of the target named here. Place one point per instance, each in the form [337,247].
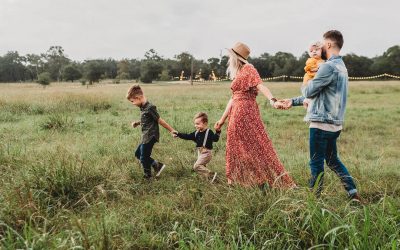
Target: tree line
[55,65]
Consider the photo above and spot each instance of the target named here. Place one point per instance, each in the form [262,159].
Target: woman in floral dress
[250,156]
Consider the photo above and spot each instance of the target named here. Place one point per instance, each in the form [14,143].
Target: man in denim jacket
[328,94]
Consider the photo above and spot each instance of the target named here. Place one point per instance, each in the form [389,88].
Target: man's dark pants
[323,147]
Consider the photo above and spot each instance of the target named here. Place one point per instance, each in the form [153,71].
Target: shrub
[56,122]
[44,79]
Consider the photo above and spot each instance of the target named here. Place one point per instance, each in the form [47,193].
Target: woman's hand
[283,104]
[218,125]
[280,104]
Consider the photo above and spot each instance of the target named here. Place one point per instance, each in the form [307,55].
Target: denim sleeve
[322,79]
[298,101]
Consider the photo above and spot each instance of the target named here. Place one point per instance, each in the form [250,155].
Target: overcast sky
[89,29]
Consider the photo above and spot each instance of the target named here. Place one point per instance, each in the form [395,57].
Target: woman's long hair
[234,65]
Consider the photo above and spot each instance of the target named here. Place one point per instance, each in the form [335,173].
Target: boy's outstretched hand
[174,134]
[135,124]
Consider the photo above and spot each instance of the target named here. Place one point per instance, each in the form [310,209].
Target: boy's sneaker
[158,167]
[214,177]
[147,177]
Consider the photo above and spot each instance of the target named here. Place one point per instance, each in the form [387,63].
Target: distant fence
[288,78]
[374,77]
[285,77]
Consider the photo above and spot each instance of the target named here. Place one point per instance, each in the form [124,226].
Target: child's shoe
[214,177]
[158,167]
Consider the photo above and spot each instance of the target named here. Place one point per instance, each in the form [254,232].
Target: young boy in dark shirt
[149,119]
[204,138]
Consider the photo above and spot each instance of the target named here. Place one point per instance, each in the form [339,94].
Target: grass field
[69,179]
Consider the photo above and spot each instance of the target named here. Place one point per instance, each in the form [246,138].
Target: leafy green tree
[153,55]
[203,68]
[149,71]
[94,70]
[221,72]
[358,65]
[110,67]
[164,76]
[262,64]
[389,62]
[184,60]
[215,64]
[44,79]
[71,72]
[12,68]
[56,60]
[134,69]
[174,70]
[283,63]
[123,69]
[151,67]
[35,65]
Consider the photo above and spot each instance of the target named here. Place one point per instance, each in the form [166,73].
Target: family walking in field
[251,159]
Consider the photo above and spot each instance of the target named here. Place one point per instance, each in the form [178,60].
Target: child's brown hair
[134,91]
[203,116]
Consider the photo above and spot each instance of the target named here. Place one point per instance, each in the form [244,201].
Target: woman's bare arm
[225,115]
[265,91]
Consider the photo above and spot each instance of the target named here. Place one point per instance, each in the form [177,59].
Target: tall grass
[69,178]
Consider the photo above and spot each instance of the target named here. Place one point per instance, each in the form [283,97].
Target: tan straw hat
[242,51]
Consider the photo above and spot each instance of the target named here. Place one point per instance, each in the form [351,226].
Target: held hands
[283,104]
[135,124]
[174,134]
[218,125]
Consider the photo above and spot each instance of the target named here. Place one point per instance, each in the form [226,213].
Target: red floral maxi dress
[250,156]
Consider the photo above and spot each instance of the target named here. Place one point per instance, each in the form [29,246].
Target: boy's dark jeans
[323,147]
[143,153]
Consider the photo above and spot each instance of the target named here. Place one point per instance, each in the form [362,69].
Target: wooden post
[191,72]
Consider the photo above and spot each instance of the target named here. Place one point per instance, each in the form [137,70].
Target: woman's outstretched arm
[278,104]
[265,91]
[225,115]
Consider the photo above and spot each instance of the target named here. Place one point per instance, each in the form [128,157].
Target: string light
[300,77]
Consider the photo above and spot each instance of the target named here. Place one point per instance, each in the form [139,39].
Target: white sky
[88,29]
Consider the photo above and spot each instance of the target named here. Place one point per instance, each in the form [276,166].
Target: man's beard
[323,54]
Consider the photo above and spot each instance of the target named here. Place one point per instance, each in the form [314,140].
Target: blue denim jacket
[328,93]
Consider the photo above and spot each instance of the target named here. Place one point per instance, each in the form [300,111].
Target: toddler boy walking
[204,138]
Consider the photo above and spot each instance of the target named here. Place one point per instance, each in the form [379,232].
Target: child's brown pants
[203,157]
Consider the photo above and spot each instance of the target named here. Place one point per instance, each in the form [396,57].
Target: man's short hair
[203,116]
[336,36]
[134,91]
